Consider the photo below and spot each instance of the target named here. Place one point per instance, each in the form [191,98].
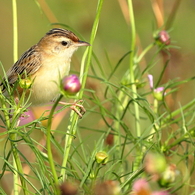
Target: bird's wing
[28,64]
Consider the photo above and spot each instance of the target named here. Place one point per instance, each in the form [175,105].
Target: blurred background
[35,18]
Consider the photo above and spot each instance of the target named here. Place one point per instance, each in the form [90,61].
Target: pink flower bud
[150,78]
[71,84]
[164,37]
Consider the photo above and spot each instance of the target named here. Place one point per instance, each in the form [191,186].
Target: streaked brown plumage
[46,63]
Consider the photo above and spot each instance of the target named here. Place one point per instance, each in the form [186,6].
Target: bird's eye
[64,43]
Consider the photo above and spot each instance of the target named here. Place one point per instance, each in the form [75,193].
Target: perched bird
[45,63]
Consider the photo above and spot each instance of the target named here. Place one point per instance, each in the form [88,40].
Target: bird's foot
[81,111]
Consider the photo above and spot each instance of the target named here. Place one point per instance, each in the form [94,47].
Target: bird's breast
[46,81]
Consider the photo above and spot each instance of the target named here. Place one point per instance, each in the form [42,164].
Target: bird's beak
[81,43]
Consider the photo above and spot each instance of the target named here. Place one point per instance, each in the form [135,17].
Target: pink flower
[36,112]
[141,186]
[150,78]
[26,118]
[157,92]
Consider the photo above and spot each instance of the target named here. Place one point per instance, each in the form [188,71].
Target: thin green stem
[83,77]
[172,14]
[48,144]
[17,162]
[155,106]
[166,148]
[71,130]
[90,49]
[134,175]
[16,159]
[118,109]
[131,68]
[133,85]
[178,111]
[16,190]
[117,139]
[144,52]
[15,31]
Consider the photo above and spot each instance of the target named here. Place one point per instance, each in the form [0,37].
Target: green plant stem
[17,162]
[48,143]
[155,106]
[131,68]
[118,109]
[16,159]
[175,143]
[172,14]
[15,31]
[71,131]
[90,49]
[16,190]
[144,52]
[18,165]
[83,77]
[178,111]
[134,175]
[133,85]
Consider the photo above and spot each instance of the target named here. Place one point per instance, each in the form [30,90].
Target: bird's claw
[81,111]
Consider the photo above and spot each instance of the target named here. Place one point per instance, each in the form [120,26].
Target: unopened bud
[192,132]
[163,37]
[158,93]
[92,175]
[109,139]
[71,84]
[25,83]
[168,176]
[101,157]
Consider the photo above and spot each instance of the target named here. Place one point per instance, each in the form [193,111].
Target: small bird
[45,63]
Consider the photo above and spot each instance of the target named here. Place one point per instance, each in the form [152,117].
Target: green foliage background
[112,42]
